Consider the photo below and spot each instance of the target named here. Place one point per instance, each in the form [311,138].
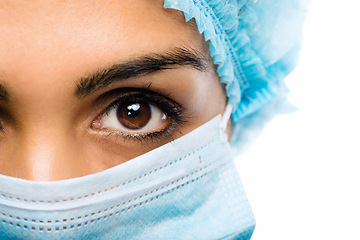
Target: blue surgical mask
[186,189]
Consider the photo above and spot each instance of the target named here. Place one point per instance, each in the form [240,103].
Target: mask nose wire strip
[224,122]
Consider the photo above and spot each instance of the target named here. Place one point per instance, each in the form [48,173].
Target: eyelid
[158,119]
[171,108]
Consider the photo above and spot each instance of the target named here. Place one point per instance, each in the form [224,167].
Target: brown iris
[134,114]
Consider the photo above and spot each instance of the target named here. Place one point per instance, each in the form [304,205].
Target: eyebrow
[146,64]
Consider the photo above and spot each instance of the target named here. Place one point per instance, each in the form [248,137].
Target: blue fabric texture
[187,189]
[255,44]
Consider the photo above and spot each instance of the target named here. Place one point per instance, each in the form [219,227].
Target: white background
[302,174]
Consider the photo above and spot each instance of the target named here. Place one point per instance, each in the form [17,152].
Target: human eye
[141,114]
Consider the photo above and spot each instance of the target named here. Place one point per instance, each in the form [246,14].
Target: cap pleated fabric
[255,44]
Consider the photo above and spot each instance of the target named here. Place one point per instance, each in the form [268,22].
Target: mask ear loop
[224,123]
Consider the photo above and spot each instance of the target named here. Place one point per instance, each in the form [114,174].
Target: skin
[47,46]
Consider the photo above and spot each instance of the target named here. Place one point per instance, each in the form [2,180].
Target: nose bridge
[44,125]
[40,159]
[47,153]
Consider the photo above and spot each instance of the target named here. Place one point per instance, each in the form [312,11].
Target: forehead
[72,35]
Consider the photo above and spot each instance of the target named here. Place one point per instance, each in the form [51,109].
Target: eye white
[157,119]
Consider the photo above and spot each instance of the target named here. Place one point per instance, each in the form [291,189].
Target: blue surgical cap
[254,43]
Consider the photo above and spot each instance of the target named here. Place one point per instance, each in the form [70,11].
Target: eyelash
[175,112]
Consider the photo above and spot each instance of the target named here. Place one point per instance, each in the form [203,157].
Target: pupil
[133,110]
[134,115]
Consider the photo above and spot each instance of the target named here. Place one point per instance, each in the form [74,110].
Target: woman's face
[87,85]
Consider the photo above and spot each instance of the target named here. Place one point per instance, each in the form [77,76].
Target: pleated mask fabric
[186,189]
